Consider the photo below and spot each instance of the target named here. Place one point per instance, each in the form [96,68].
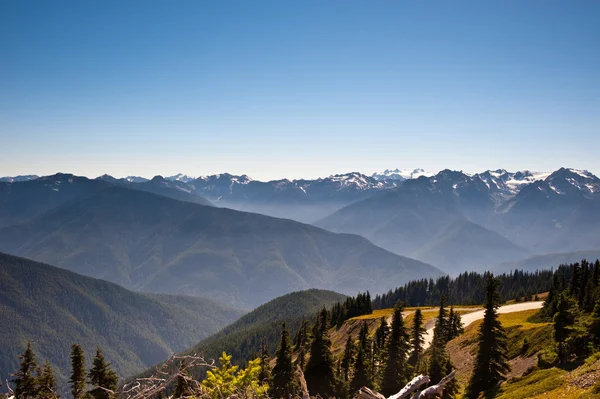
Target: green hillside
[55,308]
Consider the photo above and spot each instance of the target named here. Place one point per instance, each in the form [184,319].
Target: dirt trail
[469,318]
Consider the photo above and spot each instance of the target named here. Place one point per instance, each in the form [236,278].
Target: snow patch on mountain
[16,179]
[181,177]
[401,174]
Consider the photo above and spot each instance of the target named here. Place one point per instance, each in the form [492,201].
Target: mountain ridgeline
[460,222]
[54,308]
[152,243]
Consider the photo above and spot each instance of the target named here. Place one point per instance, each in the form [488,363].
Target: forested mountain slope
[55,308]
[156,244]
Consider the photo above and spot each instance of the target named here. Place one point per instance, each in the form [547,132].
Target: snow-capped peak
[181,177]
[401,174]
[16,179]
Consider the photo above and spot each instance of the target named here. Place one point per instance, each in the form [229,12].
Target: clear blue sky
[297,88]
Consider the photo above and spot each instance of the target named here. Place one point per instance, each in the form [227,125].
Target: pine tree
[265,368]
[551,300]
[595,325]
[381,334]
[395,373]
[491,362]
[46,383]
[284,379]
[417,340]
[319,373]
[25,382]
[77,380]
[362,376]
[563,321]
[439,358]
[220,381]
[347,360]
[455,326]
[102,377]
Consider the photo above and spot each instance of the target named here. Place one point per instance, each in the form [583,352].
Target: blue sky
[297,88]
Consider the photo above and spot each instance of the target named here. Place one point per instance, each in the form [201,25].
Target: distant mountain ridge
[523,212]
[157,244]
[15,179]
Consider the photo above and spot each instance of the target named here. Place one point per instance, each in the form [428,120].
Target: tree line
[32,381]
[573,307]
[468,288]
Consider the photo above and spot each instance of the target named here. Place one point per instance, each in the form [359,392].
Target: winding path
[469,318]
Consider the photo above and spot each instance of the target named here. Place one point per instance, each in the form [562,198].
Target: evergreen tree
[102,377]
[25,382]
[417,340]
[77,379]
[46,383]
[362,376]
[395,373]
[455,326]
[347,360]
[595,325]
[551,300]
[381,334]
[284,379]
[491,362]
[439,358]
[265,368]
[319,373]
[563,321]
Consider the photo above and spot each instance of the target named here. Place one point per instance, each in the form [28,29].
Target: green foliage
[265,368]
[564,319]
[319,371]
[362,374]
[55,308]
[77,379]
[491,363]
[46,383]
[243,338]
[466,289]
[417,340]
[225,380]
[439,356]
[395,374]
[347,361]
[102,377]
[25,381]
[351,307]
[454,325]
[532,385]
[284,379]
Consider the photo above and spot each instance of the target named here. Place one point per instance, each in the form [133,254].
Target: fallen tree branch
[437,390]
[412,387]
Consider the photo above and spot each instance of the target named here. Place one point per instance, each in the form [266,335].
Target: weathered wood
[302,380]
[411,387]
[366,393]
[436,391]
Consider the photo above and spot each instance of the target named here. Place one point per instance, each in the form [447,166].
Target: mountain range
[54,308]
[453,220]
[153,243]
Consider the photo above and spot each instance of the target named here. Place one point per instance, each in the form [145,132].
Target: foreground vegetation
[553,352]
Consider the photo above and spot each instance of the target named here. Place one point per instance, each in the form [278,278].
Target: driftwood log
[411,390]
